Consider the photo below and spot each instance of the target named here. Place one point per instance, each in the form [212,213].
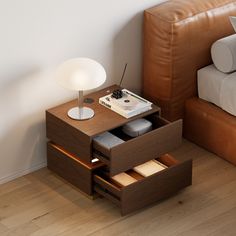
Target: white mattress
[209,84]
[218,88]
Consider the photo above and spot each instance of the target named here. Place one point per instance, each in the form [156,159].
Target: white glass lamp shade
[81,74]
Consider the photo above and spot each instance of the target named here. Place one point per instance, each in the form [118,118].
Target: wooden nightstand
[71,150]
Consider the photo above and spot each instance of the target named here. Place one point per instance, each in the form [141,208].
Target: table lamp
[81,74]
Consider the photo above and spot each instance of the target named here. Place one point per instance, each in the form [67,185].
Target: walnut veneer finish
[77,136]
[71,168]
[147,190]
[72,148]
[160,140]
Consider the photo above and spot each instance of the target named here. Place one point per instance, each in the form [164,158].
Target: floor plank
[41,204]
[103,214]
[209,227]
[13,185]
[22,230]
[3,229]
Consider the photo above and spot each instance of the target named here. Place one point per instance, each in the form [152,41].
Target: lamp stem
[80,102]
[80,112]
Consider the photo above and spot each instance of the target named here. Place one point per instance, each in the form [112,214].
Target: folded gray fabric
[137,127]
[108,140]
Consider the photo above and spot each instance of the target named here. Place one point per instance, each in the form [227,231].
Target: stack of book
[128,105]
[146,169]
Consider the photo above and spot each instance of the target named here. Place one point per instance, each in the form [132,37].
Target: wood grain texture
[104,118]
[68,137]
[87,165]
[108,186]
[143,148]
[76,136]
[56,208]
[156,187]
[150,189]
[107,195]
[69,169]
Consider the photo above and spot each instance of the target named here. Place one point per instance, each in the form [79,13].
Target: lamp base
[82,113]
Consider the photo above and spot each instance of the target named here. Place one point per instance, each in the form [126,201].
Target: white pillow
[233,21]
[223,53]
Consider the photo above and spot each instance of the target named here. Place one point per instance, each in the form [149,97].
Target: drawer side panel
[145,147]
[69,169]
[68,137]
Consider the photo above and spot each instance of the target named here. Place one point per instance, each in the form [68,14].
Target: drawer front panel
[143,148]
[156,187]
[69,169]
[106,186]
[148,190]
[108,195]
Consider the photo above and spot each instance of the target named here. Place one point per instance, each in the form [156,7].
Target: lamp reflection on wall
[81,74]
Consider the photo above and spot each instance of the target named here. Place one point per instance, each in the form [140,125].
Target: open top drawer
[164,137]
[146,190]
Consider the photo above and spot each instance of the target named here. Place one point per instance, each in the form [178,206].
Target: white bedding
[218,88]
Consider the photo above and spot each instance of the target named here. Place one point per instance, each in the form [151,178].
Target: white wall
[36,36]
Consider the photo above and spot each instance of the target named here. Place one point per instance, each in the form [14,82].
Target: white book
[149,168]
[128,106]
[123,179]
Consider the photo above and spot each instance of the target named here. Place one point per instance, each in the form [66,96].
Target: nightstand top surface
[104,118]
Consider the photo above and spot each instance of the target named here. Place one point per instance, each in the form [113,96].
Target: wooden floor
[42,204]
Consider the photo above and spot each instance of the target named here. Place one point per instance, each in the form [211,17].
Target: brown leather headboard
[178,35]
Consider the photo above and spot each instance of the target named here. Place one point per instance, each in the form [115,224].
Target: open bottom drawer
[163,138]
[146,190]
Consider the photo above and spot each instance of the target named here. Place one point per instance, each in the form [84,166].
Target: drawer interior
[103,176]
[155,119]
[104,153]
[163,138]
[145,190]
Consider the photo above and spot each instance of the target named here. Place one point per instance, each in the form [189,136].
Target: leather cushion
[210,127]
[178,35]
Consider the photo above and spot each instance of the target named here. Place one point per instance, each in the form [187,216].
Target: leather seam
[200,12]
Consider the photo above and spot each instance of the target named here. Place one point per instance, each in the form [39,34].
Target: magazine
[128,106]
